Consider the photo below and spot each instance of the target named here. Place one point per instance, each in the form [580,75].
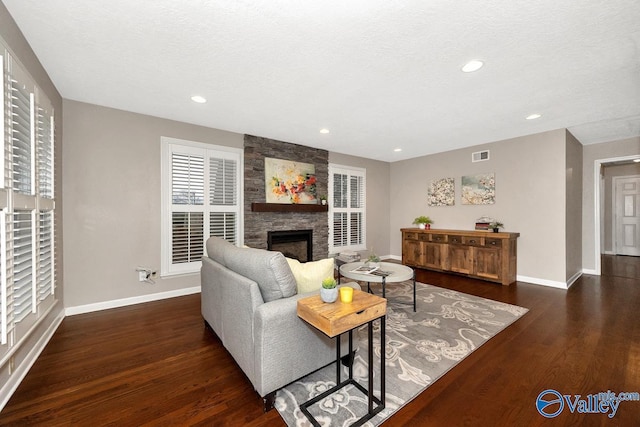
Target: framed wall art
[479,189]
[441,192]
[289,182]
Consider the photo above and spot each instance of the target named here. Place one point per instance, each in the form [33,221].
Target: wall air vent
[480,156]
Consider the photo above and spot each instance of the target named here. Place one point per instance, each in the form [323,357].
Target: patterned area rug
[420,348]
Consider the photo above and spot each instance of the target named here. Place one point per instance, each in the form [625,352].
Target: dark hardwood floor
[156,364]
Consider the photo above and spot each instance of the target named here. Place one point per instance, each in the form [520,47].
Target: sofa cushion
[269,269]
[309,275]
[216,248]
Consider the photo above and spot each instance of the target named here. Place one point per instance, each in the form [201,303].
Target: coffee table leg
[338,358]
[384,282]
[414,290]
[370,390]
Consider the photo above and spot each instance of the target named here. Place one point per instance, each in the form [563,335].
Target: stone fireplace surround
[257,224]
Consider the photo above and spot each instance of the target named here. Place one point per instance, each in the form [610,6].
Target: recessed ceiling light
[324,130]
[472,66]
[533,116]
[397,150]
[199,99]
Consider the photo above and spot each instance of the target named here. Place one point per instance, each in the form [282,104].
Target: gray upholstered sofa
[249,299]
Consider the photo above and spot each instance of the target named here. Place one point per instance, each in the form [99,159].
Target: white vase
[329,295]
[421,226]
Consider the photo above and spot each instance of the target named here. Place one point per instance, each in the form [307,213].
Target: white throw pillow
[309,275]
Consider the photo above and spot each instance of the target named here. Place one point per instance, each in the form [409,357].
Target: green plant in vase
[496,226]
[329,290]
[423,222]
[373,259]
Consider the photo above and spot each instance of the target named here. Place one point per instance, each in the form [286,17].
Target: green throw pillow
[309,275]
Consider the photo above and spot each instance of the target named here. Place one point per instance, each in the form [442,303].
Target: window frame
[350,171]
[17,199]
[208,151]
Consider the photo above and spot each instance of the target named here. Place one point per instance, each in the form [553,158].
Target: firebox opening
[296,244]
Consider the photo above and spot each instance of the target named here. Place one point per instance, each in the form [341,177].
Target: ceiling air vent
[480,156]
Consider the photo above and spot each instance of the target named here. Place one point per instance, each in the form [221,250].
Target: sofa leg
[347,359]
[268,401]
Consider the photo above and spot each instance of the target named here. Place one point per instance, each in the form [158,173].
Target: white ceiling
[379,74]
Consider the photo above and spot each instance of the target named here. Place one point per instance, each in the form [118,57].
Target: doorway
[626,215]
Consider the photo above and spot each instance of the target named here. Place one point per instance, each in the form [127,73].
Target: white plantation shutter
[187,237]
[192,174]
[223,198]
[223,182]
[347,208]
[45,255]
[5,303]
[187,179]
[23,290]
[44,143]
[22,137]
[187,191]
[27,245]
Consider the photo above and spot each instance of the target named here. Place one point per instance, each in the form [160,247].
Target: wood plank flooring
[156,364]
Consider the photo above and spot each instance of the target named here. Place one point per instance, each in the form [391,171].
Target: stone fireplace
[257,224]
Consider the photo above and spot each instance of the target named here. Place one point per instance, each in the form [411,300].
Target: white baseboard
[7,390]
[543,282]
[88,308]
[590,271]
[573,279]
[396,257]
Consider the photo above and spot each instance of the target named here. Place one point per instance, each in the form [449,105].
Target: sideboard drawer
[455,239]
[493,242]
[473,241]
[439,238]
[409,235]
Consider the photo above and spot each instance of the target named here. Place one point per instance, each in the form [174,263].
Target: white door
[627,215]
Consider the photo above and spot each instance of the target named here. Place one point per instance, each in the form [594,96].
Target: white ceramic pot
[329,295]
[421,226]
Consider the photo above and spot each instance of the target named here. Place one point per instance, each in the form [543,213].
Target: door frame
[614,209]
[597,226]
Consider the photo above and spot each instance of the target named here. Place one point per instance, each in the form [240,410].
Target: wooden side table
[334,319]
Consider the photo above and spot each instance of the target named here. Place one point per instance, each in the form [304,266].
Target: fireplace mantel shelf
[281,207]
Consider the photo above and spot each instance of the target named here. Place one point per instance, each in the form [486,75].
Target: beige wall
[112,200]
[573,220]
[378,208]
[530,198]
[592,154]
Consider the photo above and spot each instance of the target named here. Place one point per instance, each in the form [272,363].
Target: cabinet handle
[472,241]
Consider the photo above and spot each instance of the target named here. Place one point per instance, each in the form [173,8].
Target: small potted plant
[373,260]
[423,222]
[323,199]
[329,290]
[496,226]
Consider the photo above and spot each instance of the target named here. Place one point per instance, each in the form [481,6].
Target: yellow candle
[346,294]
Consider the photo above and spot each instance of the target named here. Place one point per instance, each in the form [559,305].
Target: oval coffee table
[398,273]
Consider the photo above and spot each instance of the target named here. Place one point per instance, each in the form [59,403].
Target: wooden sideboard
[481,254]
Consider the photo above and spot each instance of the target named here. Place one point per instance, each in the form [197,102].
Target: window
[27,206]
[347,223]
[201,193]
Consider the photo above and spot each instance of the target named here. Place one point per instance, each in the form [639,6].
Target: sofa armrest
[286,347]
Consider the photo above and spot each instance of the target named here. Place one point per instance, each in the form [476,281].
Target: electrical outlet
[142,276]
